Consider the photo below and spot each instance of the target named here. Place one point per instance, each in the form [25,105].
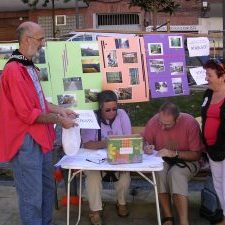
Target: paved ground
[141,206]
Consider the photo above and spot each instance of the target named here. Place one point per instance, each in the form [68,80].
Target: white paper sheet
[198,75]
[87,119]
[150,162]
[198,46]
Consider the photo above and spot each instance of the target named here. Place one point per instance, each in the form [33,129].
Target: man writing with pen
[176,137]
[112,121]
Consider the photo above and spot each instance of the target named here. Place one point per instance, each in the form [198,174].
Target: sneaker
[122,210]
[95,218]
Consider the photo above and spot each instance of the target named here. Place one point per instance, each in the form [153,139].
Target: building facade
[192,16]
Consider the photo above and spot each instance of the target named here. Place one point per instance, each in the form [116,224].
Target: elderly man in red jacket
[26,129]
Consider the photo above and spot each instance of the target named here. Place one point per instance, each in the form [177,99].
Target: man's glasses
[96,161]
[38,39]
[109,110]
[167,125]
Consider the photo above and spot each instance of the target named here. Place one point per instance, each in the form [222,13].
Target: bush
[141,112]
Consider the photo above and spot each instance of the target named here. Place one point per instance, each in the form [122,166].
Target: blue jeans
[33,174]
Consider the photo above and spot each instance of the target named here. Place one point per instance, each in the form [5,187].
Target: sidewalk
[141,207]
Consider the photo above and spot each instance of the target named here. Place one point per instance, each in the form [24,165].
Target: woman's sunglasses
[111,109]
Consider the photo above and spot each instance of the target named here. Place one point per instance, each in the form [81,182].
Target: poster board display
[75,73]
[124,68]
[40,60]
[166,66]
[6,50]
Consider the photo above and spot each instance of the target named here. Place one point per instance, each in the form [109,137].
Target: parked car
[90,36]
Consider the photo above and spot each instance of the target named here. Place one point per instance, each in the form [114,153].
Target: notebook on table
[124,149]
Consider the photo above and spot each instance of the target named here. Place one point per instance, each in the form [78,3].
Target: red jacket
[19,108]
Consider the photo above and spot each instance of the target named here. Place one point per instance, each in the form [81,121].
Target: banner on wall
[123,68]
[165,59]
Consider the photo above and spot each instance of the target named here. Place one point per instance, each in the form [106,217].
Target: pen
[89,160]
[98,162]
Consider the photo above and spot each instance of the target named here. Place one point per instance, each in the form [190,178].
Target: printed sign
[87,119]
[198,46]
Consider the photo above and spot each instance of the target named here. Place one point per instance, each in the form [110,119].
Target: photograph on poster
[161,86]
[67,100]
[175,42]
[90,65]
[177,86]
[157,65]
[72,84]
[134,76]
[91,95]
[39,58]
[43,75]
[155,48]
[6,51]
[114,77]
[129,57]
[111,59]
[176,68]
[122,43]
[89,49]
[124,93]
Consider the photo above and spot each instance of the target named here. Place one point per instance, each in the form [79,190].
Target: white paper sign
[198,75]
[126,150]
[198,46]
[87,119]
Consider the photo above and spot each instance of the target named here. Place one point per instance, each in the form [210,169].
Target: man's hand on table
[148,149]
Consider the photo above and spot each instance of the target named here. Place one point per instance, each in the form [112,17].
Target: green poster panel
[69,72]
[41,61]
[6,50]
[75,73]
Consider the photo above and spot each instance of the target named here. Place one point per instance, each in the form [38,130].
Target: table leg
[70,178]
[68,198]
[156,198]
[80,192]
[156,193]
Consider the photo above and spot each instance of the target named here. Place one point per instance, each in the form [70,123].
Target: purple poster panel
[165,59]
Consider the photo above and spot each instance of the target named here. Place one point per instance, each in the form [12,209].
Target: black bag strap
[110,176]
[98,115]
[179,162]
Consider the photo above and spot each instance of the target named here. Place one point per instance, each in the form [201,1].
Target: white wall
[212,23]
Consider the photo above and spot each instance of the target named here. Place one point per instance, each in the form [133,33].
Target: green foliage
[167,6]
[33,3]
[103,1]
[141,112]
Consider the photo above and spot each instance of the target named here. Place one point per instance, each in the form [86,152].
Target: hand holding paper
[87,119]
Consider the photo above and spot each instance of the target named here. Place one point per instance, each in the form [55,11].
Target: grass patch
[141,112]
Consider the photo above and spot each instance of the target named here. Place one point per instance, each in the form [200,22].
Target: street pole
[77,15]
[53,18]
[223,30]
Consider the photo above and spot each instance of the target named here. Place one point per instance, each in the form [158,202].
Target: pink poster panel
[123,66]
